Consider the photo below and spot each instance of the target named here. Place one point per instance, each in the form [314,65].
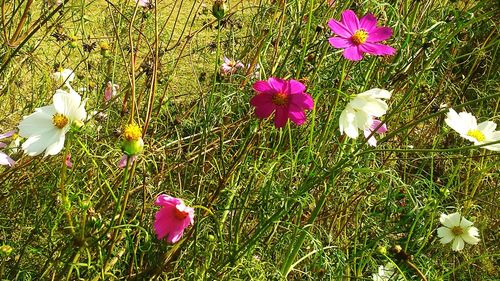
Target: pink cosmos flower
[67,161]
[372,141]
[230,66]
[144,3]
[122,163]
[110,91]
[358,36]
[287,98]
[4,158]
[172,218]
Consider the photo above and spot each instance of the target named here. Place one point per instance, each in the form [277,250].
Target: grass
[300,203]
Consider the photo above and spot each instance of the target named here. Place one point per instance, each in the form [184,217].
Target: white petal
[469,120]
[452,220]
[470,239]
[377,93]
[456,123]
[445,234]
[371,106]
[58,145]
[465,223]
[36,144]
[487,127]
[38,122]
[66,103]
[458,244]
[495,136]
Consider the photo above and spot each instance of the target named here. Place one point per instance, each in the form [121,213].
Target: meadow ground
[300,202]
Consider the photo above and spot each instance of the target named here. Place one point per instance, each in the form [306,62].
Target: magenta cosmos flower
[359,36]
[172,218]
[287,98]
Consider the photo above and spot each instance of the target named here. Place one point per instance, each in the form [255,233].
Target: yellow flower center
[457,230]
[359,37]
[478,135]
[132,132]
[280,99]
[180,214]
[59,120]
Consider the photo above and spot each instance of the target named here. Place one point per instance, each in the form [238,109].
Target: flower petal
[297,117]
[340,43]
[487,127]
[55,147]
[296,87]
[264,110]
[261,99]
[281,117]
[340,29]
[279,85]
[353,53]
[470,239]
[445,234]
[263,87]
[368,22]
[6,160]
[8,134]
[450,220]
[38,122]
[301,101]
[165,200]
[377,49]
[458,244]
[379,34]
[350,20]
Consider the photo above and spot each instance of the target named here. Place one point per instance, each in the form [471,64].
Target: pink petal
[122,163]
[297,117]
[175,235]
[263,87]
[67,161]
[277,84]
[379,34]
[6,160]
[261,99]
[296,87]
[350,20]
[339,29]
[2,145]
[8,134]
[264,110]
[281,117]
[368,22]
[165,200]
[353,53]
[377,49]
[340,43]
[375,124]
[302,101]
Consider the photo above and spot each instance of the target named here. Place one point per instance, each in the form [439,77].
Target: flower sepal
[132,147]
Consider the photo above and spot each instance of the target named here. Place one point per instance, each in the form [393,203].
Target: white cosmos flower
[386,273]
[46,128]
[64,76]
[361,111]
[466,125]
[457,229]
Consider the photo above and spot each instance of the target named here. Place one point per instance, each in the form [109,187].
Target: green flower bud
[5,250]
[219,9]
[132,147]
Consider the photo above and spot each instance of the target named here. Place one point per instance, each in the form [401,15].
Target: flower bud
[132,148]
[382,250]
[132,140]
[5,250]
[219,9]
